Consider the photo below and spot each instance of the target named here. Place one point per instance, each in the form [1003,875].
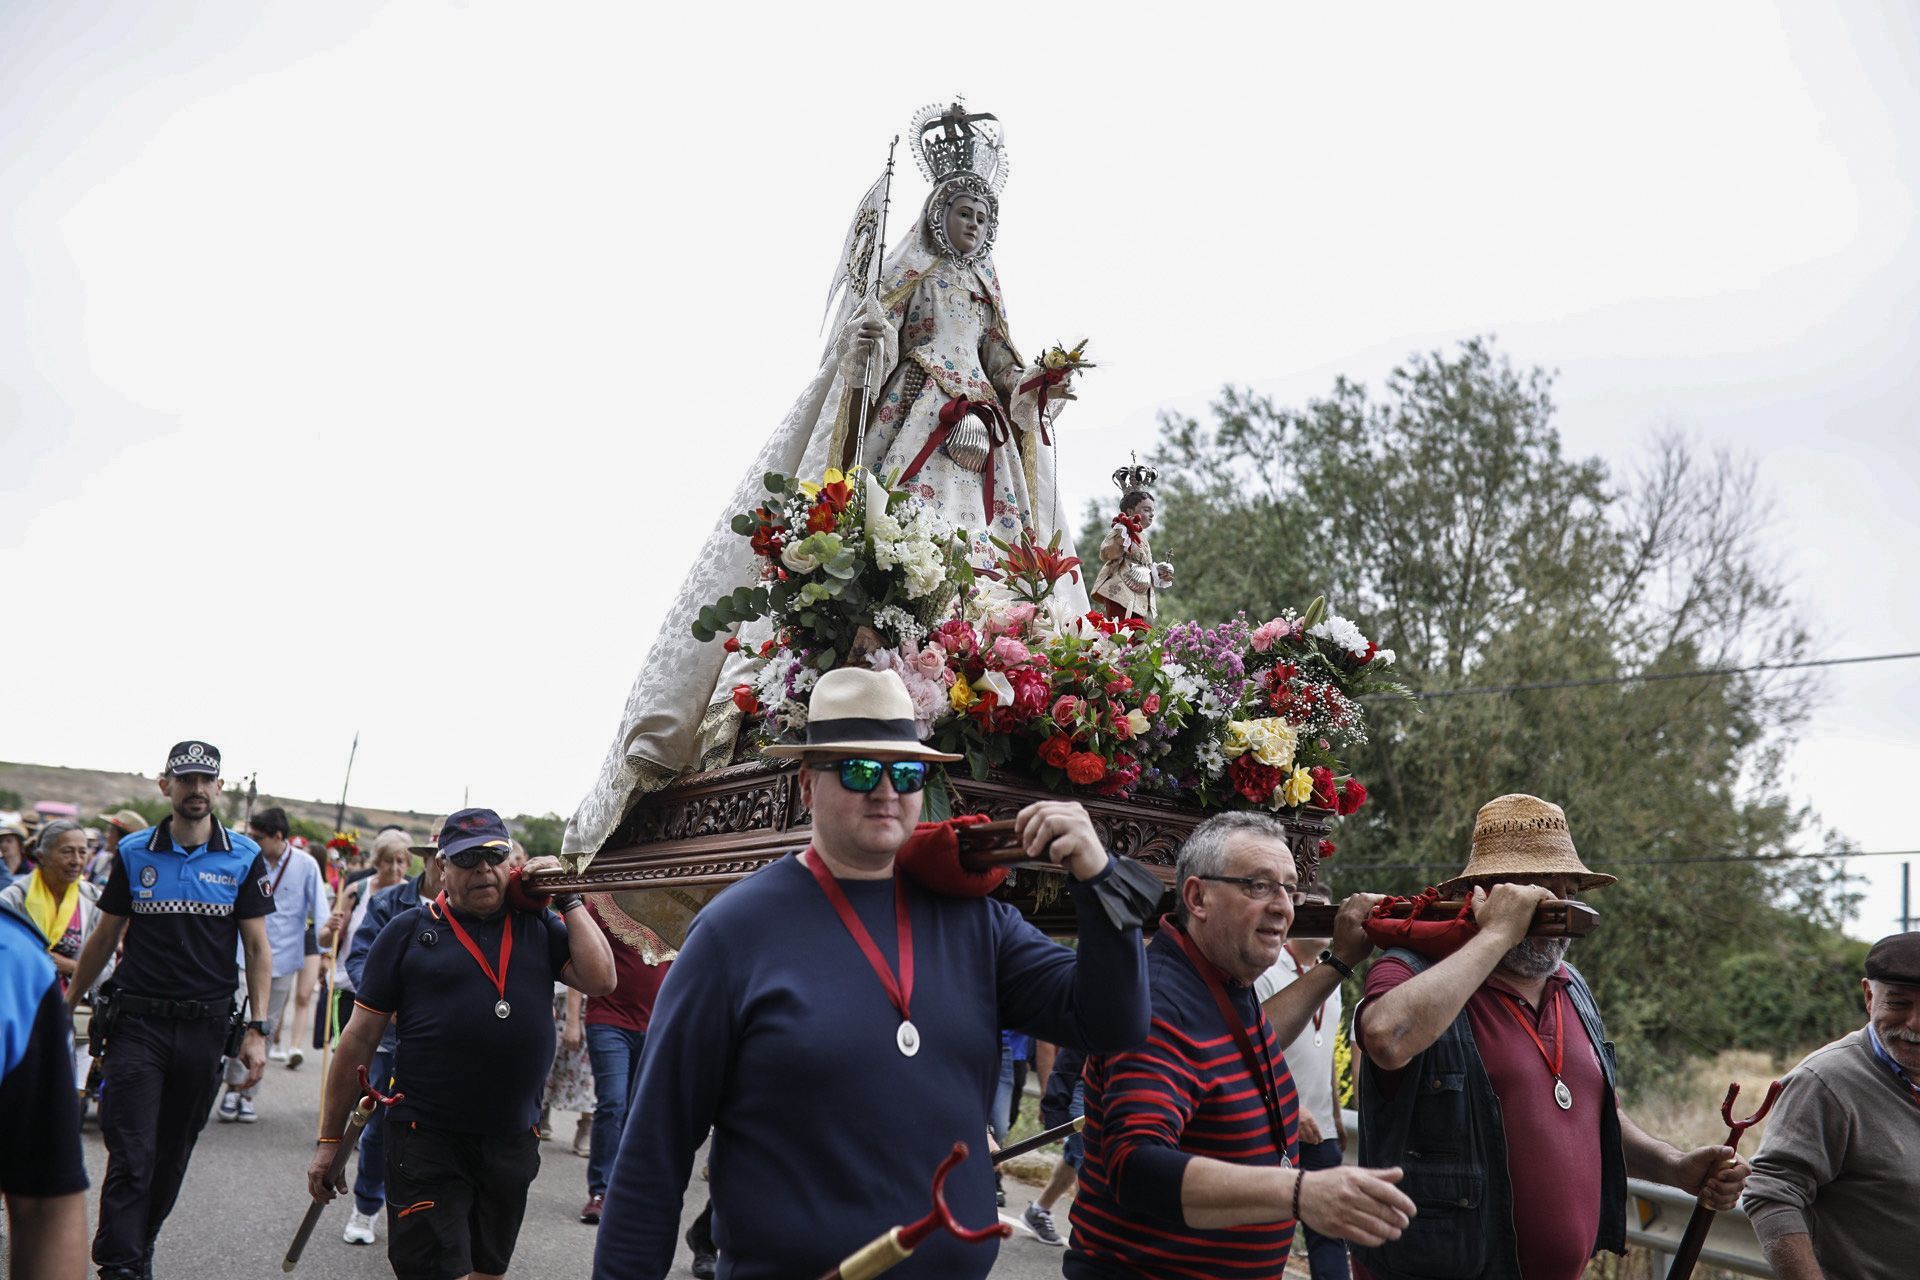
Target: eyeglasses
[1259,888]
[468,859]
[908,776]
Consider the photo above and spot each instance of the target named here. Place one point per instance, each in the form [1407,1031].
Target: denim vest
[1443,1127]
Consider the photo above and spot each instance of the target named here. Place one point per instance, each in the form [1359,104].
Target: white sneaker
[246,1113]
[359,1228]
[276,1054]
[294,1059]
[229,1107]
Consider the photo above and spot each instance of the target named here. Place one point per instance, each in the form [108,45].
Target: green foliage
[540,836]
[308,829]
[10,799]
[1446,519]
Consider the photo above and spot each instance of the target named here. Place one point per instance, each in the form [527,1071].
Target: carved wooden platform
[684,843]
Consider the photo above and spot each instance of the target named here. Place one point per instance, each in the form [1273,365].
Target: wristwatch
[264,1028]
[1327,957]
[564,902]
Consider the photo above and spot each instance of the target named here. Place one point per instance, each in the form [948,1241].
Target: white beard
[1535,957]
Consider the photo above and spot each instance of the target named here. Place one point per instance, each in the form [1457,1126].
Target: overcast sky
[379,367]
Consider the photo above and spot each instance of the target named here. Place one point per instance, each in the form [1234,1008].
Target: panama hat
[1519,837]
[856,712]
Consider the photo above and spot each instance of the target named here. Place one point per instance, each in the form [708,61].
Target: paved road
[246,1191]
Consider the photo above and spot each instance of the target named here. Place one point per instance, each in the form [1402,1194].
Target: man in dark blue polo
[197,887]
[469,979]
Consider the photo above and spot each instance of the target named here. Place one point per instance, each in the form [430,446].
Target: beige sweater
[1841,1164]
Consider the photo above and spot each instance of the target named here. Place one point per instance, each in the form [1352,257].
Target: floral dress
[570,1083]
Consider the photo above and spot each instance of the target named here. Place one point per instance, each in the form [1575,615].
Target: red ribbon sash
[1259,1066]
[499,980]
[1558,1058]
[951,415]
[1298,973]
[899,991]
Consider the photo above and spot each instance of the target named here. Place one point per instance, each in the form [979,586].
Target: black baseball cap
[1896,958]
[473,829]
[193,756]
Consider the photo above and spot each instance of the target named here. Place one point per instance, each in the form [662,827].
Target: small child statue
[1130,580]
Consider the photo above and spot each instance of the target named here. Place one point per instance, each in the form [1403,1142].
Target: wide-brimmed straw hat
[856,712]
[1520,836]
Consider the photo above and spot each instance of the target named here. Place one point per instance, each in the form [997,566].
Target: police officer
[196,886]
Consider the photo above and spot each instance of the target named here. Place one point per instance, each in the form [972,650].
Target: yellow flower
[1298,789]
[1274,746]
[1236,743]
[833,476]
[960,697]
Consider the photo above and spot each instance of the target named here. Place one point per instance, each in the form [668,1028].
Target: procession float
[906,516]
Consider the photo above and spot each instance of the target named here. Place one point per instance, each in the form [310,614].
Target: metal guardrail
[1658,1218]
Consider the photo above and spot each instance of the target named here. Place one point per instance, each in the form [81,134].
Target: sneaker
[359,1228]
[1040,1222]
[246,1113]
[276,1054]
[294,1059]
[591,1214]
[999,1192]
[229,1108]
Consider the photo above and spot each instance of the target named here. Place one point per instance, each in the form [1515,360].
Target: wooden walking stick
[898,1244]
[1695,1239]
[1040,1140]
[370,1098]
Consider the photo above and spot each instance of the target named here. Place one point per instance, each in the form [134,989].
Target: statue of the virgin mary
[958,414]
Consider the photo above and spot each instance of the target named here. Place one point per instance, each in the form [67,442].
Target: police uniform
[172,1002]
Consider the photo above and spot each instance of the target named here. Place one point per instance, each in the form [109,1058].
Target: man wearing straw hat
[836,1025]
[1488,1077]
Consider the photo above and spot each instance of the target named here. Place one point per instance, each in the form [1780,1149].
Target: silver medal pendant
[908,1039]
[502,1009]
[1562,1096]
[1316,1040]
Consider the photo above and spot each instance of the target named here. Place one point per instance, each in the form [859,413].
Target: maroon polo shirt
[630,1005]
[1553,1156]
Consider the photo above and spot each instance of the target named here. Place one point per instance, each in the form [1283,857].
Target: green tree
[1444,517]
[540,836]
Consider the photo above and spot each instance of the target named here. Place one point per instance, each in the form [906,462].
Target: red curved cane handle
[942,1217]
[384,1099]
[1737,1128]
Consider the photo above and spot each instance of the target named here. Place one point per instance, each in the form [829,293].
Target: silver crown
[950,141]
[1136,475]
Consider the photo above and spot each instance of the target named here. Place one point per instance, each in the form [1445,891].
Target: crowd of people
[835,1026]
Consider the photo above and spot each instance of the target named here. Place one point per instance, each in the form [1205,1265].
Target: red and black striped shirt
[1186,1092]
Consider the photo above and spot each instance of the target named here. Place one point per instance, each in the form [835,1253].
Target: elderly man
[1190,1138]
[836,1025]
[470,980]
[1489,1076]
[1836,1182]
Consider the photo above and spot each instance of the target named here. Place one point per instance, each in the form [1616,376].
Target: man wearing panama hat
[1488,1076]
[837,1025]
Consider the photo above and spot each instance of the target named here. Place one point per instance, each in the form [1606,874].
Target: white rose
[798,560]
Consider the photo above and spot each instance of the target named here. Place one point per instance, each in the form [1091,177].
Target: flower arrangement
[345,844]
[1236,714]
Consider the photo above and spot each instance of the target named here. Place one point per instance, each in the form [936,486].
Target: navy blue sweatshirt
[772,1029]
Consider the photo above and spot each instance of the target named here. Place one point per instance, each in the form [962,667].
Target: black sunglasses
[468,859]
[908,776]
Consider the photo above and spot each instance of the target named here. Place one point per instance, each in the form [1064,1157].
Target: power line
[1424,695]
[1657,862]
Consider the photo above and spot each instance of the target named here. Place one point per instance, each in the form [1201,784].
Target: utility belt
[110,1006]
[178,1010]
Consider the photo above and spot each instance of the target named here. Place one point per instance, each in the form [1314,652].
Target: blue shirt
[39,1110]
[464,1069]
[299,894]
[381,908]
[189,904]
[772,1029]
[1886,1059]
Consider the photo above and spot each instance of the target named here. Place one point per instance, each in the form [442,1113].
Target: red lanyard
[900,992]
[280,874]
[499,980]
[1319,1010]
[1261,1071]
[1558,1057]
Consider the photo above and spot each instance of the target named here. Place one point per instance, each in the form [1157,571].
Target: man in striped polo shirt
[1190,1138]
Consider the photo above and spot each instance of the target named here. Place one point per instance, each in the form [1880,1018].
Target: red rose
[743,698]
[1030,693]
[957,638]
[1152,705]
[1101,622]
[1352,795]
[1119,685]
[732,645]
[1125,775]
[1056,750]
[1326,850]
[1255,781]
[1135,624]
[1084,768]
[1323,792]
[1122,727]
[767,647]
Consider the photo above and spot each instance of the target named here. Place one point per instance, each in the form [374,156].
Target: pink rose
[1008,652]
[1266,633]
[1065,709]
[1152,704]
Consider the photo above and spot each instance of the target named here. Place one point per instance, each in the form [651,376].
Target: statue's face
[967,219]
[1143,512]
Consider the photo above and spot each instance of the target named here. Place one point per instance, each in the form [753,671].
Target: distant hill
[95,791]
